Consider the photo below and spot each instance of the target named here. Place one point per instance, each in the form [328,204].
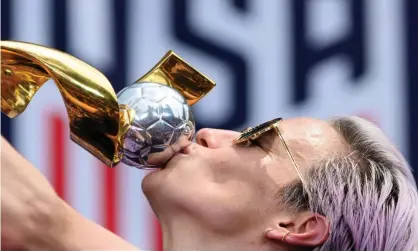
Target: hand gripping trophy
[143,126]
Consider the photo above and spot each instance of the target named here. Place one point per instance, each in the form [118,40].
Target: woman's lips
[185,150]
[182,153]
[188,149]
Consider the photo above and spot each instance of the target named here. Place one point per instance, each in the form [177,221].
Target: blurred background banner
[269,58]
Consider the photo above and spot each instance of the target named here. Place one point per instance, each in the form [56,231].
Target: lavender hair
[369,195]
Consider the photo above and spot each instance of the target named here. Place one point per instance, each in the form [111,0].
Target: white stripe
[91,30]
[320,30]
[31,21]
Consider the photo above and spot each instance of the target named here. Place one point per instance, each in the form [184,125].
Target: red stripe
[158,237]
[56,155]
[110,200]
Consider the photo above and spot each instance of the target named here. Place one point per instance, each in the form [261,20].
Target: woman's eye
[247,143]
[253,143]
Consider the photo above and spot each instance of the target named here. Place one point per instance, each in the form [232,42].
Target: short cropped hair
[369,194]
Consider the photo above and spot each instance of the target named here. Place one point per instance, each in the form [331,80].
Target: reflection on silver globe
[162,126]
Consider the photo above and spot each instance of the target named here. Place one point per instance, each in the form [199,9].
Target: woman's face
[228,187]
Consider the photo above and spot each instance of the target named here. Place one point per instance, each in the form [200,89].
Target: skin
[218,196]
[33,217]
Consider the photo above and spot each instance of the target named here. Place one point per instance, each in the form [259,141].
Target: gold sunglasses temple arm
[276,128]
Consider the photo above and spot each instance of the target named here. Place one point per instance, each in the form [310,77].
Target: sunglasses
[250,134]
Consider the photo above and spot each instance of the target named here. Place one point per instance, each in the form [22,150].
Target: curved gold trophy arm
[97,122]
[89,98]
[178,74]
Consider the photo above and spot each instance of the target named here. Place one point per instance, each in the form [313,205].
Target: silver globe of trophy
[143,126]
[162,126]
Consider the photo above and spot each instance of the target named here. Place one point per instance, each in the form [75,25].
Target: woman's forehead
[304,135]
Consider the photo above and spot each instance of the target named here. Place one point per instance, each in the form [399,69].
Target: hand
[33,217]
[30,209]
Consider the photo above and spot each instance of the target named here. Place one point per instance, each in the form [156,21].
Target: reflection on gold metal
[176,73]
[89,98]
[253,133]
[97,122]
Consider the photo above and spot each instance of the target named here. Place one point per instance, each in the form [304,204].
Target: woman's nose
[215,138]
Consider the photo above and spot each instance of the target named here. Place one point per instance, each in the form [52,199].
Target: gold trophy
[143,126]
